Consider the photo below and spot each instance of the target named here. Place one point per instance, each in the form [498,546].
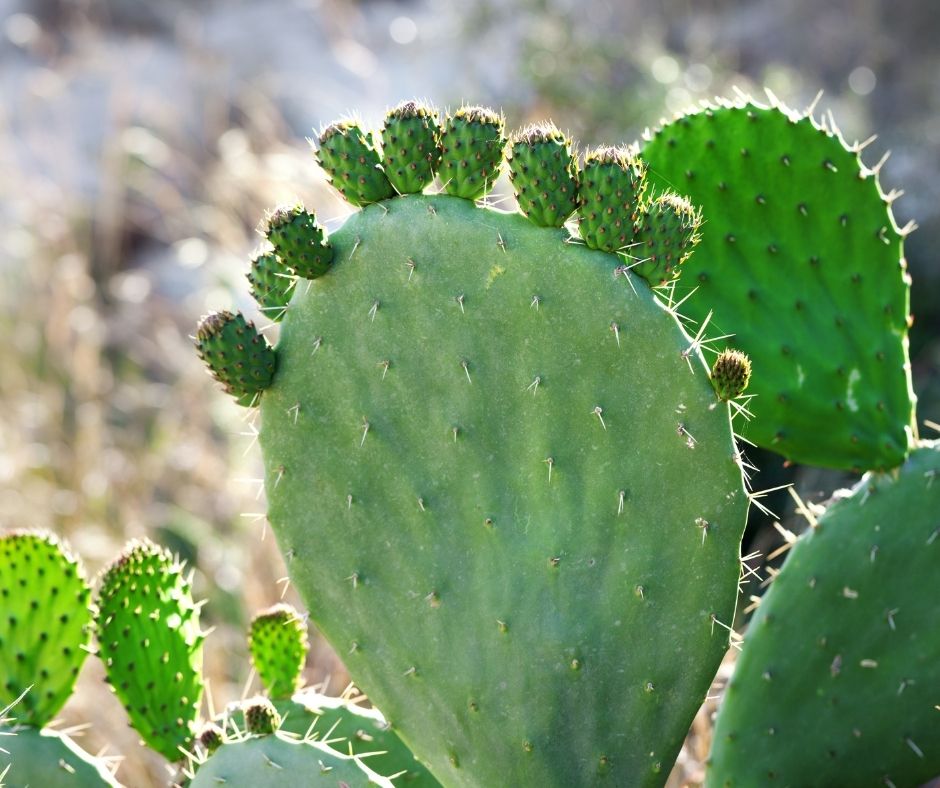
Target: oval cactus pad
[507,492]
[802,263]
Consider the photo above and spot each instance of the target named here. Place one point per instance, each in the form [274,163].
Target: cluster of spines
[150,641]
[45,624]
[465,151]
[277,641]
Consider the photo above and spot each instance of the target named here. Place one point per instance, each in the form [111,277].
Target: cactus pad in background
[803,263]
[492,460]
[151,645]
[45,624]
[278,645]
[837,681]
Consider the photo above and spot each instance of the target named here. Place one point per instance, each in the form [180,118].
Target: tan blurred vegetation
[141,143]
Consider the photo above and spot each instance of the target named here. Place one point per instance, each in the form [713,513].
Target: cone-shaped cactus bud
[411,146]
[278,644]
[731,373]
[211,737]
[613,182]
[151,645]
[350,160]
[261,718]
[666,233]
[45,625]
[237,355]
[544,173]
[299,241]
[271,284]
[473,142]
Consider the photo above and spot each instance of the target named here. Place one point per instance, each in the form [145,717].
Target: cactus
[45,626]
[236,354]
[278,645]
[837,680]
[544,174]
[151,645]
[351,163]
[803,263]
[492,462]
[299,242]
[48,759]
[411,146]
[271,284]
[280,761]
[666,233]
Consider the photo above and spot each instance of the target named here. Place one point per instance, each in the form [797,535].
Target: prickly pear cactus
[151,644]
[45,624]
[802,262]
[31,758]
[279,760]
[503,483]
[837,681]
[277,641]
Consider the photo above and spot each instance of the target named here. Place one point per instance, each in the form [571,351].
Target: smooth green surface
[45,759]
[45,624]
[519,621]
[838,679]
[802,262]
[151,645]
[279,762]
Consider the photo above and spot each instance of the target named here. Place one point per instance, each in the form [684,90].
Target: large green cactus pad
[837,683]
[45,624]
[508,494]
[802,262]
[278,761]
[30,758]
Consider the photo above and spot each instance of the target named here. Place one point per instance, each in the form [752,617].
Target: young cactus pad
[503,483]
[837,680]
[48,759]
[802,262]
[281,761]
[278,644]
[45,624]
[151,645]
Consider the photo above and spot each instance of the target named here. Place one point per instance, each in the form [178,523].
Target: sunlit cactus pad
[802,262]
[150,641]
[45,624]
[837,683]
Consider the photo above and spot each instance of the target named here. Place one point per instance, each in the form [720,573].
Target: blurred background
[141,143]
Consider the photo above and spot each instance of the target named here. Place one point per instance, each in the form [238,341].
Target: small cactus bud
[731,373]
[613,182]
[261,718]
[211,737]
[411,146]
[667,232]
[236,354]
[544,174]
[351,162]
[299,241]
[472,143]
[271,284]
